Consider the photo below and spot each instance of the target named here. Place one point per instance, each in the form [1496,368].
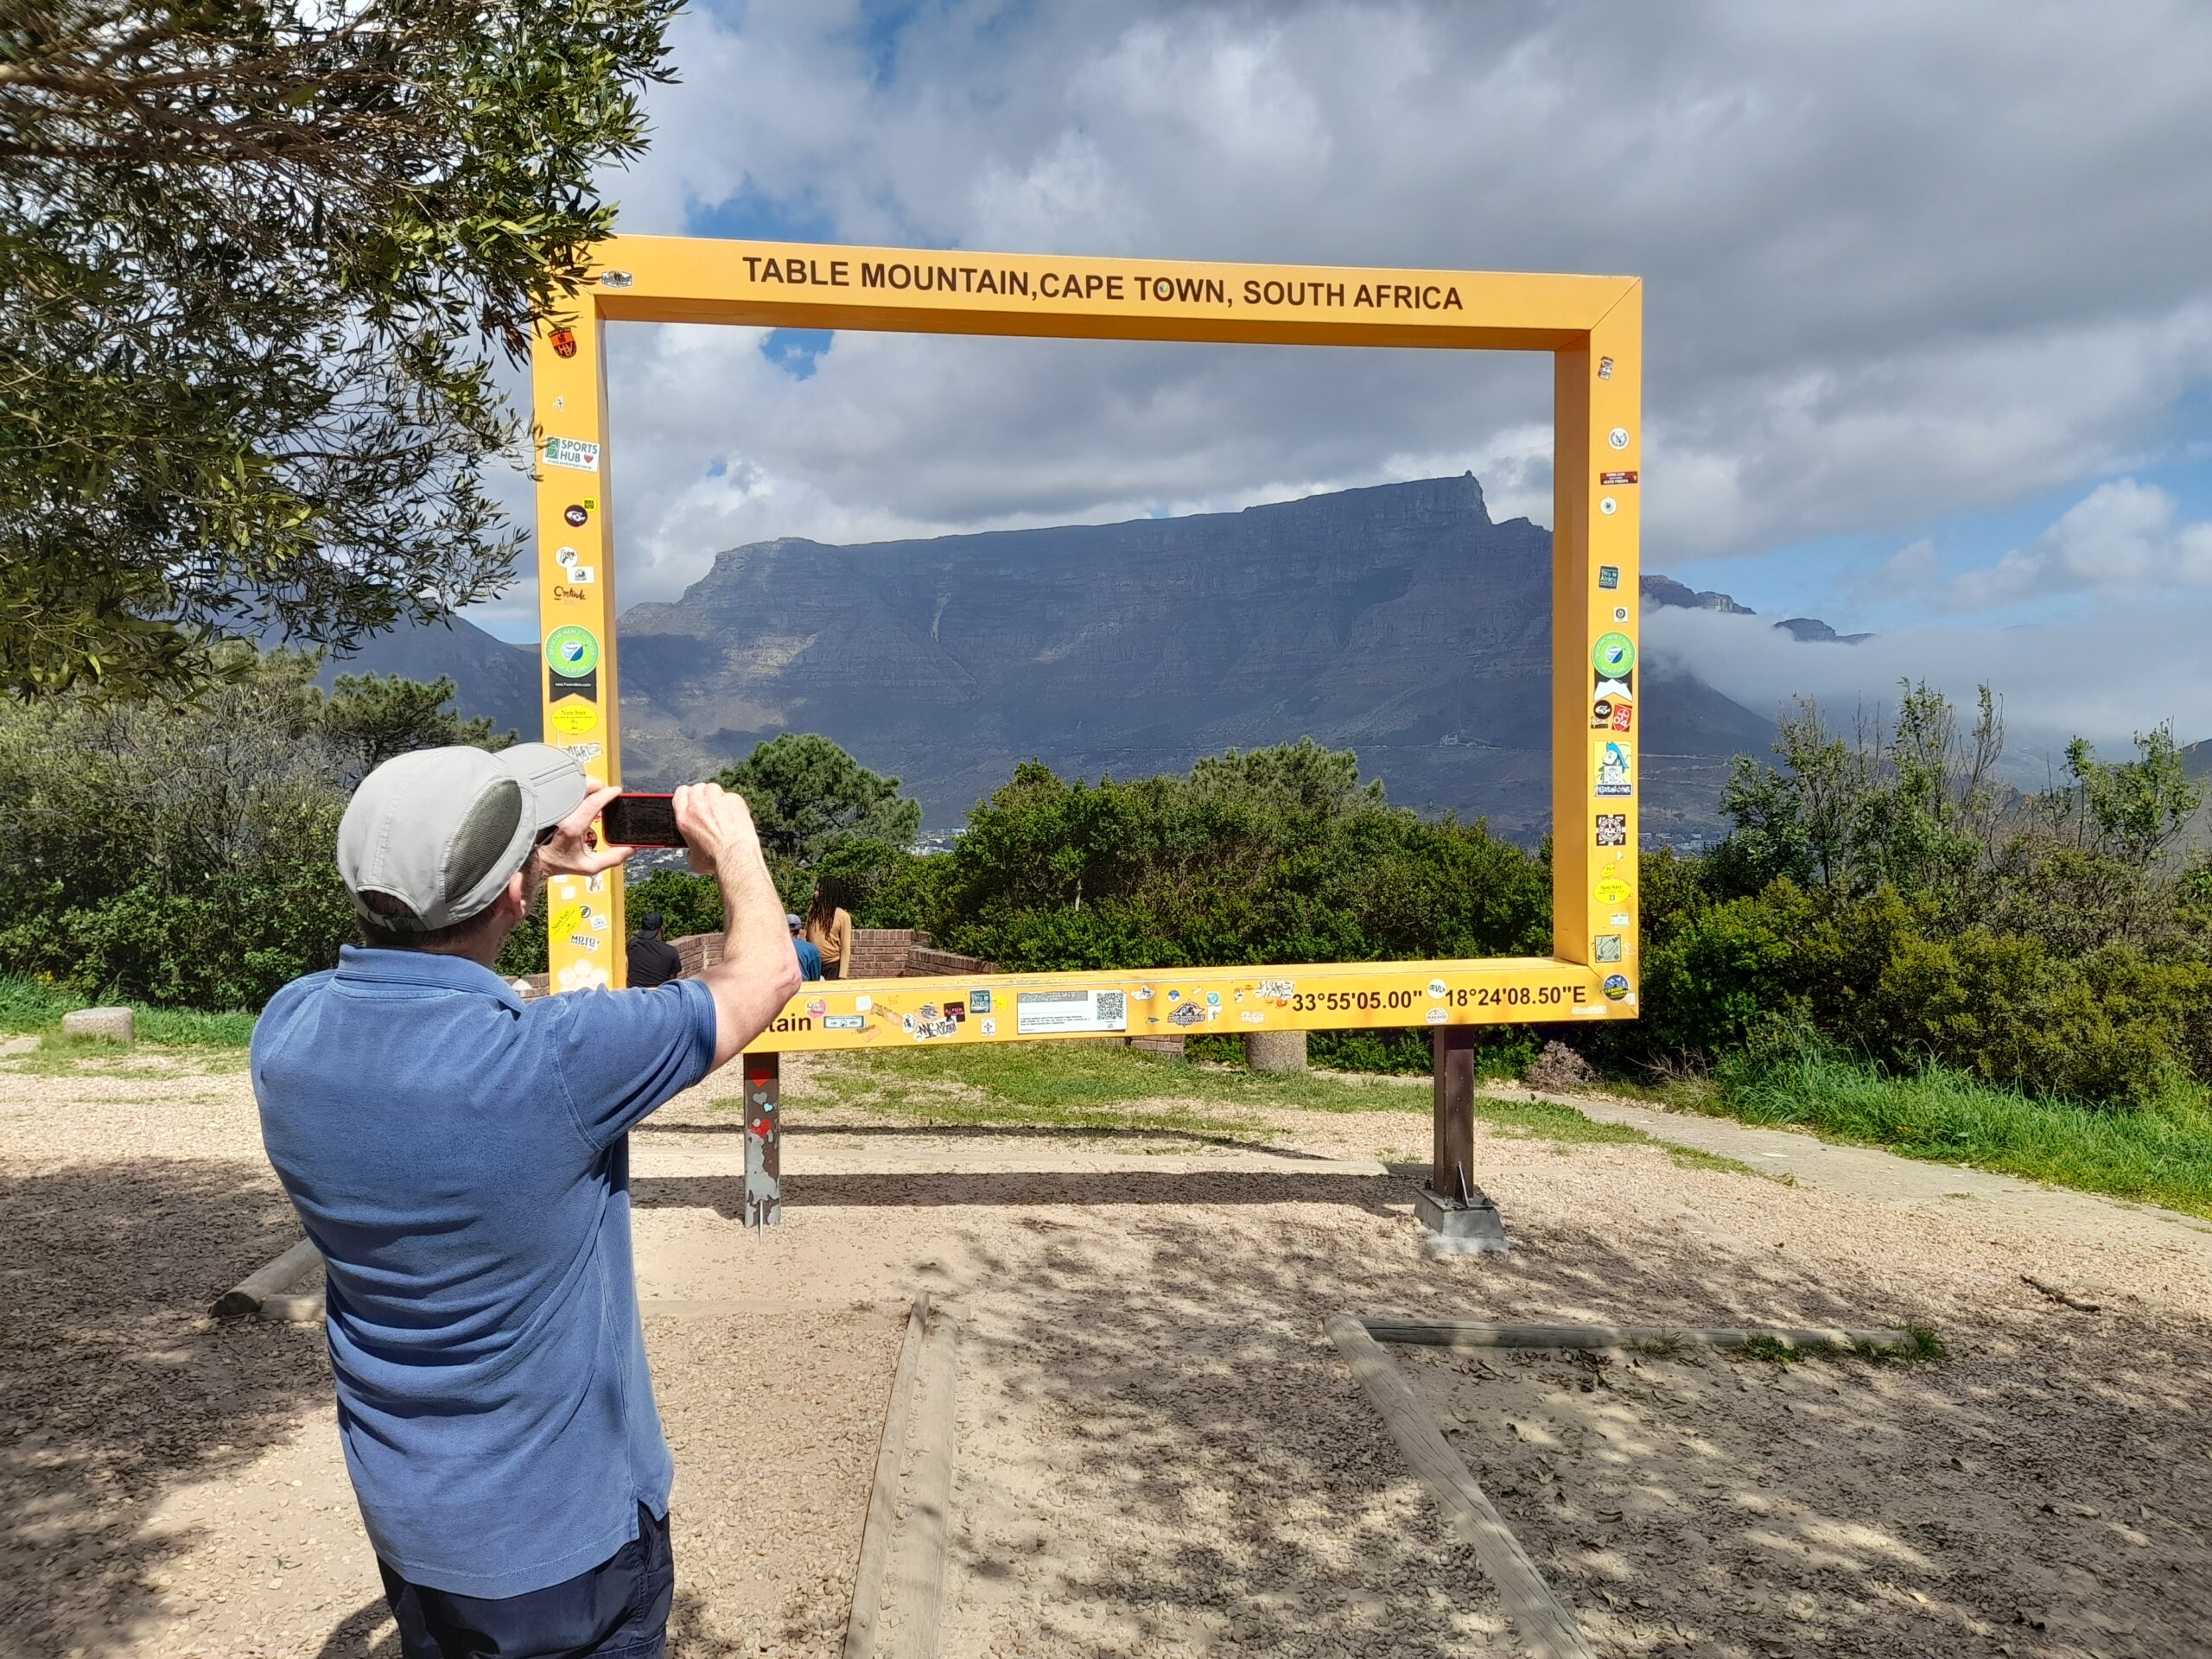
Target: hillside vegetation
[1888,946]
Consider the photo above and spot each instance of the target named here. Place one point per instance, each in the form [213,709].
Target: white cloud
[2104,676]
[2122,538]
[1911,572]
[1900,260]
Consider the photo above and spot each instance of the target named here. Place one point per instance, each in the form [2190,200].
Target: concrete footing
[117,1024]
[1275,1051]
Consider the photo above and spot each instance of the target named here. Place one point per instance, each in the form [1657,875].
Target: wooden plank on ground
[1476,1334]
[917,1566]
[245,1296]
[1544,1625]
[883,1497]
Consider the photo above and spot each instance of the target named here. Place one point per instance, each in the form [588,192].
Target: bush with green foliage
[1886,894]
[809,797]
[1278,856]
[182,854]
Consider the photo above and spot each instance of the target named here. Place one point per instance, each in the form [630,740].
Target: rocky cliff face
[1401,621]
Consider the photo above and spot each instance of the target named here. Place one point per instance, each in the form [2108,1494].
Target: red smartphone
[641,821]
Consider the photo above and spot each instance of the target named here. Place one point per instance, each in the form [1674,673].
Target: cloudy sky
[1929,298]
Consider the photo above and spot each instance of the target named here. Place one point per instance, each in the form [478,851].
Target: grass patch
[57,1056]
[1081,1087]
[189,1028]
[1548,1120]
[1926,1348]
[1773,1350]
[2158,1155]
[1698,1158]
[32,1004]
[35,1006]
[1094,1086]
[1059,1077]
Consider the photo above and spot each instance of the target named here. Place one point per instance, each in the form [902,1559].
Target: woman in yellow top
[829,929]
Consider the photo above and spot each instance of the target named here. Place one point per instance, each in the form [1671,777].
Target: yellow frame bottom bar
[1192,1002]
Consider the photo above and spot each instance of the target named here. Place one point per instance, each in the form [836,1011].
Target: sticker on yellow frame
[1593,326]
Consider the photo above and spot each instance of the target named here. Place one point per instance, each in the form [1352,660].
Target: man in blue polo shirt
[460,1159]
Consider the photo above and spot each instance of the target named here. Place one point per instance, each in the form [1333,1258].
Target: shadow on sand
[1186,1381]
[118,1386]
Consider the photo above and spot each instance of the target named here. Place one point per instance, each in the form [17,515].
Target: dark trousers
[833,970]
[618,1610]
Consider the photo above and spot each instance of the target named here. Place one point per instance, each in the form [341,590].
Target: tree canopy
[808,796]
[260,259]
[181,851]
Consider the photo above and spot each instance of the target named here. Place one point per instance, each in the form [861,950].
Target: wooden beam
[1452,1085]
[917,1571]
[883,1497]
[245,1297]
[1475,1333]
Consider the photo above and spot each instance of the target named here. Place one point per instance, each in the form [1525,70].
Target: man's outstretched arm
[758,971]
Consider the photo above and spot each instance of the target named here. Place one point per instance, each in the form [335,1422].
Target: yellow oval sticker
[574,716]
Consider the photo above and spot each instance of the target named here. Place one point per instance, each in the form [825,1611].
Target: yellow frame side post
[1597,618]
[579,695]
[1592,325]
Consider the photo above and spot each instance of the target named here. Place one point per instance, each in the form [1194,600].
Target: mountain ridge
[1400,620]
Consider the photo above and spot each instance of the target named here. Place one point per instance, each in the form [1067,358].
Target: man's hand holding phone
[570,849]
[716,825]
[758,973]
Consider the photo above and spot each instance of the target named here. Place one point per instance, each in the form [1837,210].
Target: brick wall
[881,952]
[878,953]
[907,953]
[697,950]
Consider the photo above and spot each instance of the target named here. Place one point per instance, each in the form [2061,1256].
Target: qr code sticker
[1112,1007]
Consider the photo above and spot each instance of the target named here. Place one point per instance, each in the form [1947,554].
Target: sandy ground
[1158,1452]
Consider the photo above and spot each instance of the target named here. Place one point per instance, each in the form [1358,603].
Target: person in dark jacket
[653,960]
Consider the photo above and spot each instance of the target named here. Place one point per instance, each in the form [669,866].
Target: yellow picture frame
[1593,326]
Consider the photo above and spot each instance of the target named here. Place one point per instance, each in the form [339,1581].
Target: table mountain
[1401,621]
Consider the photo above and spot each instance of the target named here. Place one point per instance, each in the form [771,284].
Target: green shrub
[1719,972]
[1280,855]
[686,903]
[883,885]
[183,855]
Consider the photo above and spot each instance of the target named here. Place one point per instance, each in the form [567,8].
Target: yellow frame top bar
[798,285]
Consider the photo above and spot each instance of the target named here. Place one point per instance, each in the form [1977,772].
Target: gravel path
[1159,1454]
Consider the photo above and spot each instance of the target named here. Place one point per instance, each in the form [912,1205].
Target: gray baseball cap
[441,830]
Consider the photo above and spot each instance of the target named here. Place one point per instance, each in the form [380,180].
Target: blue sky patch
[796,351]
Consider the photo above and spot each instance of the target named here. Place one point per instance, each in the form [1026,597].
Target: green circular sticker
[1615,656]
[574,651]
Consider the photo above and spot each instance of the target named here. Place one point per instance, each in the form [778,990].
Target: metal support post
[763,1168]
[1460,1219]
